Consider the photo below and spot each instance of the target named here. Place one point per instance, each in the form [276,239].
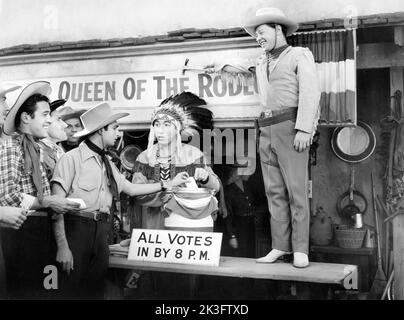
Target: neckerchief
[274,54]
[115,207]
[32,161]
[104,158]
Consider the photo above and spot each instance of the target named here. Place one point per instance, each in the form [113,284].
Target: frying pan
[128,156]
[353,144]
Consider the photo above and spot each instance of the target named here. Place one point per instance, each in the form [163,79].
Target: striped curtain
[334,54]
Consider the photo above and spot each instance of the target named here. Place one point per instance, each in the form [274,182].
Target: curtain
[334,54]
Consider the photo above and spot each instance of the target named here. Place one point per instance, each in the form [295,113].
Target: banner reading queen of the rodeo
[140,93]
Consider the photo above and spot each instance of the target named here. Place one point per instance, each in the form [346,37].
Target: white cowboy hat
[7,87]
[269,15]
[39,87]
[97,118]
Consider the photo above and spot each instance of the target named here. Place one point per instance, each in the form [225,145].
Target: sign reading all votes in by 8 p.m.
[188,247]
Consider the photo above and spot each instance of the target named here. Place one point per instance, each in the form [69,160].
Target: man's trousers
[26,254]
[88,242]
[3,285]
[285,175]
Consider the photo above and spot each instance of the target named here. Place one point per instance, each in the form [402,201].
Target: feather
[188,109]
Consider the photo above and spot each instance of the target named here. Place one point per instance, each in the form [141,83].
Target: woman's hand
[201,175]
[179,179]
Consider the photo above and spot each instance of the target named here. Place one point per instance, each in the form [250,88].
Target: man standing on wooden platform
[289,94]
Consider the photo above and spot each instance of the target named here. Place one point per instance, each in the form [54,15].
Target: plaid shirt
[14,182]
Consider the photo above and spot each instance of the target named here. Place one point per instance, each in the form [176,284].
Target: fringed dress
[163,210]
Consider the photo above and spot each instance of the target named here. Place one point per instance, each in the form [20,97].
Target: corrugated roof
[192,34]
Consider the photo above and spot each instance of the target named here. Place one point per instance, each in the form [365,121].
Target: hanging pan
[353,144]
[129,155]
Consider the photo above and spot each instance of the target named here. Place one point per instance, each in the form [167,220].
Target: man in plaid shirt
[9,217]
[23,183]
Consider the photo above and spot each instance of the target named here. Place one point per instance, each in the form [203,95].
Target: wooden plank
[338,250]
[397,83]
[396,79]
[132,51]
[379,55]
[247,268]
[399,35]
[398,247]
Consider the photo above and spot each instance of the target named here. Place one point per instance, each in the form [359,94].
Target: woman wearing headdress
[178,117]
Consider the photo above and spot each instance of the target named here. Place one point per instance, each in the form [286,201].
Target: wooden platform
[331,273]
[347,251]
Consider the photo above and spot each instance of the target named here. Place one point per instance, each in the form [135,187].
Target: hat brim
[102,124]
[72,115]
[5,90]
[56,104]
[254,22]
[39,87]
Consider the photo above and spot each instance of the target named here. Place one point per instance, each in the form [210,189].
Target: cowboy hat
[97,118]
[6,88]
[269,15]
[68,113]
[39,87]
[56,104]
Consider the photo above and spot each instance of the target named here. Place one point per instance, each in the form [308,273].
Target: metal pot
[352,210]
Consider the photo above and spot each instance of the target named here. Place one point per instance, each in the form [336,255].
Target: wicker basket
[348,237]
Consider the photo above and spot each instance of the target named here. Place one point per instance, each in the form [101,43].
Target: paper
[79,201]
[191,184]
[27,201]
[118,250]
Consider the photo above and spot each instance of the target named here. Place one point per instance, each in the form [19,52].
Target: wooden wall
[331,176]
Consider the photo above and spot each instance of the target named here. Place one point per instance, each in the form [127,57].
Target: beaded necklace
[158,157]
[164,167]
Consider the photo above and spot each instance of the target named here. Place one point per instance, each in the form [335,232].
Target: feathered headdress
[187,111]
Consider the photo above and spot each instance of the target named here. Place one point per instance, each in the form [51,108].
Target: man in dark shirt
[240,222]
[74,125]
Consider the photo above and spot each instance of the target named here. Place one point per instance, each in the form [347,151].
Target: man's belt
[35,213]
[245,214]
[269,118]
[95,216]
